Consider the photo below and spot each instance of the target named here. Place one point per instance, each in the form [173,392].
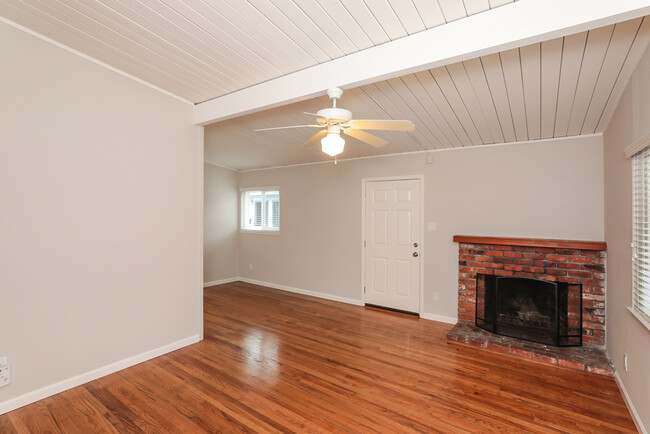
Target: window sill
[248,231]
[643,321]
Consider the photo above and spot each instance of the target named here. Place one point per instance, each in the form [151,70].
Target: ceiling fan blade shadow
[316,138]
[290,126]
[386,125]
[365,137]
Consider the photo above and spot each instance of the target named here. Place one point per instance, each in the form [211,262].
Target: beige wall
[220,210]
[100,221]
[548,190]
[625,334]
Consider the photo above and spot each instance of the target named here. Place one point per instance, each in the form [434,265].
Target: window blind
[641,233]
[260,210]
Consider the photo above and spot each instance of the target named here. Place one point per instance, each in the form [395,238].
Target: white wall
[100,217]
[220,210]
[550,189]
[625,334]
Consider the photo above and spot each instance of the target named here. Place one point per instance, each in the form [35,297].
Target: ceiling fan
[335,121]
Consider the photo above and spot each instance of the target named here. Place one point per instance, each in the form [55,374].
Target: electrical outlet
[5,375]
[625,361]
[436,296]
[3,361]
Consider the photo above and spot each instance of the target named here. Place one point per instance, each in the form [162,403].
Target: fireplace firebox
[531,309]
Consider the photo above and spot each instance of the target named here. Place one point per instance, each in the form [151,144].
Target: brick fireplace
[572,262]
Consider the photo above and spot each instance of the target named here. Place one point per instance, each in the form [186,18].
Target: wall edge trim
[439,318]
[630,405]
[78,380]
[302,291]
[221,281]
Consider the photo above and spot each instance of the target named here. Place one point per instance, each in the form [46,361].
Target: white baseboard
[78,380]
[439,318]
[630,405]
[303,291]
[221,282]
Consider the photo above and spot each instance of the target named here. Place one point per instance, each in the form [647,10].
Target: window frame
[265,229]
[640,211]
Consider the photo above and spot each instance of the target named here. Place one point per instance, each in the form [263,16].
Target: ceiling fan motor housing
[335,115]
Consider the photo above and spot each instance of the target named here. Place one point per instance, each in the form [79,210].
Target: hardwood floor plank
[274,361]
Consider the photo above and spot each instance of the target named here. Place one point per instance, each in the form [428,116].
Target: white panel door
[392,240]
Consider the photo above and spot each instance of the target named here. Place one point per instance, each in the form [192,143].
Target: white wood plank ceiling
[202,49]
[558,88]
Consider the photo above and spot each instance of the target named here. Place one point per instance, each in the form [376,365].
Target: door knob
[415,254]
[415,244]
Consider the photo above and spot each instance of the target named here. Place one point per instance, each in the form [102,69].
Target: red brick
[534,269]
[569,265]
[477,342]
[497,348]
[522,249]
[599,276]
[556,272]
[581,259]
[494,253]
[545,250]
[524,262]
[482,258]
[514,268]
[570,252]
[521,353]
[512,255]
[569,279]
[546,277]
[556,258]
[570,364]
[499,247]
[494,265]
[533,256]
[593,282]
[467,269]
[502,273]
[578,273]
[545,358]
[600,371]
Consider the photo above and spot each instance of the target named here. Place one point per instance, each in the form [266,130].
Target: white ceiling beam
[515,25]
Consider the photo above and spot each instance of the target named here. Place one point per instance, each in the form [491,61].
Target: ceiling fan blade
[291,126]
[312,114]
[365,137]
[386,125]
[316,138]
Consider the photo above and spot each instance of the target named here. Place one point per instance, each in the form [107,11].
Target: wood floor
[273,361]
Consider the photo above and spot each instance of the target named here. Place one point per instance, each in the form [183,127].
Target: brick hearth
[572,262]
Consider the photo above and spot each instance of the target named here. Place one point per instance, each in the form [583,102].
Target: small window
[641,233]
[260,209]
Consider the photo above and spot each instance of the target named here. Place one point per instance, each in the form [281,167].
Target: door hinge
[364,289]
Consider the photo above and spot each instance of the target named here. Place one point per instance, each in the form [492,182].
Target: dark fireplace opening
[531,309]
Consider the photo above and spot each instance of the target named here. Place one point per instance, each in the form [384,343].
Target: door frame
[364,181]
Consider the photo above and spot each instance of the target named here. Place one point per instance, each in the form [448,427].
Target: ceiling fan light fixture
[332,144]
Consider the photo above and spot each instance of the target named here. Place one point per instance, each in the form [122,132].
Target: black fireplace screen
[530,309]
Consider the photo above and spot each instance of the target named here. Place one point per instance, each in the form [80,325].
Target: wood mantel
[533,242]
